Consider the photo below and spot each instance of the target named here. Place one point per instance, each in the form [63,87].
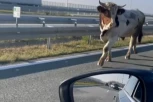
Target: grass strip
[12,55]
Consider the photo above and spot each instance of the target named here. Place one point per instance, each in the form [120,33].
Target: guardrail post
[17,22]
[97,20]
[78,11]
[75,22]
[89,40]
[146,23]
[42,21]
[49,43]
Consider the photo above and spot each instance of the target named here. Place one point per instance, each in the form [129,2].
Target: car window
[138,93]
[129,87]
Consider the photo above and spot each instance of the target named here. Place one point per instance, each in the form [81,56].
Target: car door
[137,95]
[132,91]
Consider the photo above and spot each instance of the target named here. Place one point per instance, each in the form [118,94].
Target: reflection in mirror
[107,88]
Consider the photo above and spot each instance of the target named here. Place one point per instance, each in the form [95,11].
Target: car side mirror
[107,86]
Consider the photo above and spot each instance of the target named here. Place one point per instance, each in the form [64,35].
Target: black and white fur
[123,23]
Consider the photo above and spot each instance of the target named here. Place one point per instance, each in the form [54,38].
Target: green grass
[12,55]
[6,11]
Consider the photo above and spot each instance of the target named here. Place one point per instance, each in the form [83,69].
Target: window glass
[138,93]
[129,87]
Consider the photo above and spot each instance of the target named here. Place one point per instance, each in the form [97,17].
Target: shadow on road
[135,59]
[145,56]
[132,64]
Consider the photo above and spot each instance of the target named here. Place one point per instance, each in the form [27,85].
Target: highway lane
[51,25]
[41,84]
[28,15]
[48,16]
[47,25]
[8,18]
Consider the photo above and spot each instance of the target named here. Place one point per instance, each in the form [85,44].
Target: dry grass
[11,55]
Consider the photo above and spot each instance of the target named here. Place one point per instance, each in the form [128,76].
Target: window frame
[130,94]
[133,96]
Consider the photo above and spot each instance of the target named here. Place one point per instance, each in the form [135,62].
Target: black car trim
[133,89]
[135,92]
[131,99]
[65,89]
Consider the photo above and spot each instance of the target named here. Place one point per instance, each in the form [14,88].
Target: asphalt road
[30,19]
[48,25]
[31,85]
[2,14]
[94,94]
[35,19]
[49,16]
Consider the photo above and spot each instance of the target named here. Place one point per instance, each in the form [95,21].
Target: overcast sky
[145,5]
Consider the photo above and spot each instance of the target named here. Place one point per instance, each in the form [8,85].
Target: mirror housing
[66,87]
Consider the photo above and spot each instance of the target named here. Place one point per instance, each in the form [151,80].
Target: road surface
[37,19]
[31,85]
[30,19]
[50,16]
[51,25]
[94,94]
[48,25]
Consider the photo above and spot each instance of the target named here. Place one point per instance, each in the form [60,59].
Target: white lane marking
[90,26]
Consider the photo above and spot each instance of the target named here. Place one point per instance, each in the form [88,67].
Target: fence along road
[51,8]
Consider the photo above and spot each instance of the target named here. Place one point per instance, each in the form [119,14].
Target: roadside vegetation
[25,53]
[84,84]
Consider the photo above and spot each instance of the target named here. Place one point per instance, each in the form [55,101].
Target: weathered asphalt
[94,94]
[39,83]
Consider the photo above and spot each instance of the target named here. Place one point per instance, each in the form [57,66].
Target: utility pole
[67,5]
[130,4]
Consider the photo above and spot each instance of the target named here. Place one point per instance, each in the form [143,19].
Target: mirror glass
[108,88]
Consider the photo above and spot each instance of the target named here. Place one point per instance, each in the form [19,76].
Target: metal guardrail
[28,33]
